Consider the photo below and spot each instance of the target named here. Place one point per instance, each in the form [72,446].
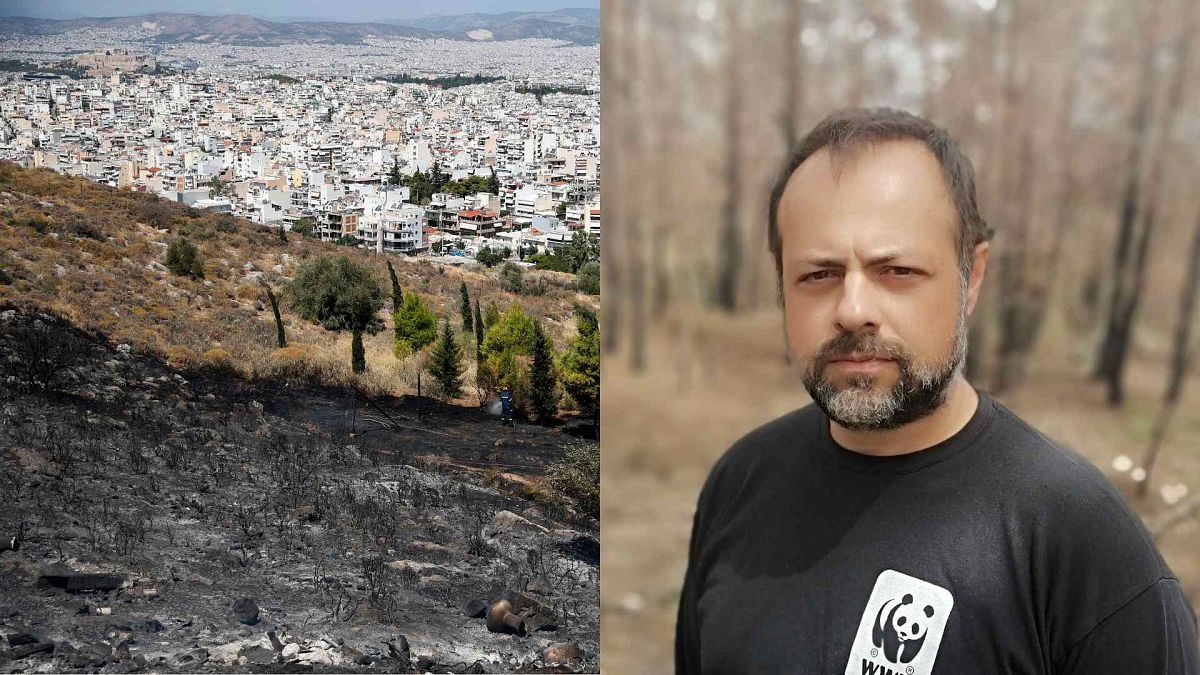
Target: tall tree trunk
[1013,178]
[729,255]
[635,257]
[1150,219]
[1107,358]
[1179,359]
[615,89]
[792,70]
[1044,278]
[667,121]
[1017,302]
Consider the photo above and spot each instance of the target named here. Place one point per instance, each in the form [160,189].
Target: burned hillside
[191,521]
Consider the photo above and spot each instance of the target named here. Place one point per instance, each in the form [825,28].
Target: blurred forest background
[1082,119]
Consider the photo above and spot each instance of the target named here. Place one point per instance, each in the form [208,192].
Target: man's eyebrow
[827,261]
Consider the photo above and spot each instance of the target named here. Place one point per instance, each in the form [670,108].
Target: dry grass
[93,254]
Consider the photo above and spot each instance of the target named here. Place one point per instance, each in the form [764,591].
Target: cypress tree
[397,294]
[543,399]
[465,307]
[446,364]
[282,338]
[478,332]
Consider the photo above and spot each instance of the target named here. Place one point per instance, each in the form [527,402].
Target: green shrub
[512,331]
[488,257]
[183,259]
[512,278]
[337,293]
[587,279]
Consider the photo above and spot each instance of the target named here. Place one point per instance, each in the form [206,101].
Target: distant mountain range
[579,25]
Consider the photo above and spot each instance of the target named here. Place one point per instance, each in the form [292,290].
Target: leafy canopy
[337,293]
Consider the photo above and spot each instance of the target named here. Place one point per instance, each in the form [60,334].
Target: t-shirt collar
[912,461]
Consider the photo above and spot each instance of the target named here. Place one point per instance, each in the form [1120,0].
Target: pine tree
[543,399]
[494,183]
[491,314]
[465,307]
[579,365]
[478,332]
[395,175]
[397,294]
[415,324]
[446,364]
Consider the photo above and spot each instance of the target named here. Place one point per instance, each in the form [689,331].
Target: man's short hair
[849,129]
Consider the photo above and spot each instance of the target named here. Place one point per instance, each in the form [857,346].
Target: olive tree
[339,294]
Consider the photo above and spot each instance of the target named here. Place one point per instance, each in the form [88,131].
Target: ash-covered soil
[193,522]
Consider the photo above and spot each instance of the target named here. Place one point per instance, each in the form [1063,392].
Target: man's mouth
[857,358]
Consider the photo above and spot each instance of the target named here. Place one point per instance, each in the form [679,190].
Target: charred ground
[346,527]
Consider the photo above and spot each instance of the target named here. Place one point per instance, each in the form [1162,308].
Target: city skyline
[284,10]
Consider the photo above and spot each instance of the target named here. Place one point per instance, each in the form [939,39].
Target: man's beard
[919,390]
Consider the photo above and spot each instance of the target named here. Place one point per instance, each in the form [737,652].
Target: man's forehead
[896,183]
[828,165]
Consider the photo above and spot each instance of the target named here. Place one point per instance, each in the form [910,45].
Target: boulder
[398,649]
[30,649]
[509,522]
[257,654]
[245,610]
[540,585]
[562,652]
[316,655]
[144,625]
[476,608]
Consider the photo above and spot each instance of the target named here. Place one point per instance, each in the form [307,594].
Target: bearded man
[905,522]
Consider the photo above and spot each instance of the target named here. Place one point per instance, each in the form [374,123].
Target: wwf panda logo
[900,628]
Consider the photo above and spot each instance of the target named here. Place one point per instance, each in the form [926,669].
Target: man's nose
[857,307]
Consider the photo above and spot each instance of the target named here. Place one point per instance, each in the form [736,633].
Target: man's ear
[978,270]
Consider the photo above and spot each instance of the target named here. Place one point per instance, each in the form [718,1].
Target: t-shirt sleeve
[687,637]
[687,621]
[1152,634]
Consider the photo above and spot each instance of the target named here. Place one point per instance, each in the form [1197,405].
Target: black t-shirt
[994,551]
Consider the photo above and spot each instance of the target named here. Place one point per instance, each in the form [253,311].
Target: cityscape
[318,134]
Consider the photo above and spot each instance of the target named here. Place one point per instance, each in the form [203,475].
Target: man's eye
[816,276]
[903,271]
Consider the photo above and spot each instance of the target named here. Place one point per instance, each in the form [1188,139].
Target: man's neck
[937,426]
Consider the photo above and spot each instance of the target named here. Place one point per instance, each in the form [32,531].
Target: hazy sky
[344,10]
